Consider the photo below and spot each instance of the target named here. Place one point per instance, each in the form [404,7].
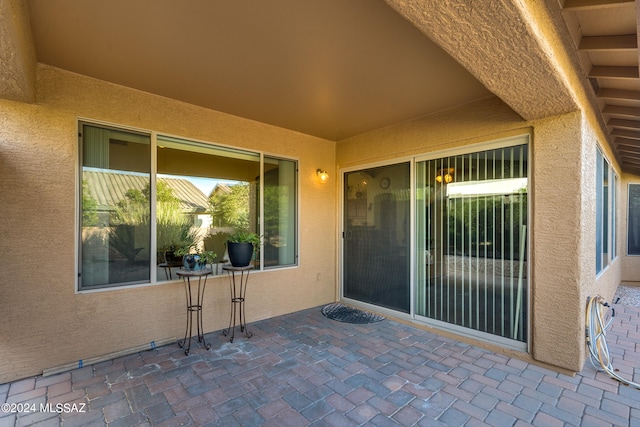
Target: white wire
[596,339]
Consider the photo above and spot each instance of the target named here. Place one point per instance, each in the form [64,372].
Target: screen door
[376,237]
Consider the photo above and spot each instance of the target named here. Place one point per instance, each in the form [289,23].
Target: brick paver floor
[304,369]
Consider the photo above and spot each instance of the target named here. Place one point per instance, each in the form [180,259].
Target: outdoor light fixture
[322,175]
[445,175]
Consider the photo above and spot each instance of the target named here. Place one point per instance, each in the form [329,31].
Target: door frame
[411,251]
[517,139]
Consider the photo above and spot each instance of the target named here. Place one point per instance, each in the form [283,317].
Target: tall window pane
[599,211]
[605,212]
[115,223]
[204,193]
[279,212]
[614,215]
[471,214]
[605,205]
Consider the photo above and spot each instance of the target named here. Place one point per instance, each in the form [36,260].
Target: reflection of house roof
[108,188]
[220,188]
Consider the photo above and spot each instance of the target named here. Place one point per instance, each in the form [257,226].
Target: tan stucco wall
[17,52]
[559,230]
[45,323]
[562,225]
[473,123]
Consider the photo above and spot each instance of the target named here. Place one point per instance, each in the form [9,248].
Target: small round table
[192,306]
[238,291]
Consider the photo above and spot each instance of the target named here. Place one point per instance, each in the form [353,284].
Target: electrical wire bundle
[596,341]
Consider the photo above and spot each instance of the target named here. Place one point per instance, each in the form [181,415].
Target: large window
[606,202]
[144,197]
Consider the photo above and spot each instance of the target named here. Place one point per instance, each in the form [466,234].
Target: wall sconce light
[322,175]
[445,175]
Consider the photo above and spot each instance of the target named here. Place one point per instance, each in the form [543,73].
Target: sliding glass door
[471,229]
[444,241]
[376,236]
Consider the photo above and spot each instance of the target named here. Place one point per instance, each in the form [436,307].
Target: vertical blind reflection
[471,225]
[116,243]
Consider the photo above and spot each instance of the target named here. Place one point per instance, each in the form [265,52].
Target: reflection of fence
[454,264]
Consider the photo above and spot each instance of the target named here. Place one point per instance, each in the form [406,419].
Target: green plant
[90,216]
[244,236]
[185,250]
[230,207]
[131,216]
[174,227]
[206,257]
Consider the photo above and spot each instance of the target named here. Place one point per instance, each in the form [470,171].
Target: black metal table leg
[192,307]
[238,278]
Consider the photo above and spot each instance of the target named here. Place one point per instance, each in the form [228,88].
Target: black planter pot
[240,254]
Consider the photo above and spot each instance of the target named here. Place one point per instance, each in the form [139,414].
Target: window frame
[498,144]
[606,220]
[629,220]
[154,136]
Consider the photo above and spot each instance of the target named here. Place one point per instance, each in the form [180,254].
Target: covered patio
[305,369]
[388,86]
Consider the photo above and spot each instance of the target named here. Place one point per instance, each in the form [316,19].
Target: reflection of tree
[133,209]
[89,207]
[231,208]
[275,221]
[174,228]
[495,220]
[131,222]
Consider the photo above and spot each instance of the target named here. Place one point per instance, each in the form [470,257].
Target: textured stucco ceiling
[501,45]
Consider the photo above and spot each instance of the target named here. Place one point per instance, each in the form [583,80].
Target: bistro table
[194,306]
[238,289]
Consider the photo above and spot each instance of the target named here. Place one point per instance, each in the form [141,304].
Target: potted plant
[240,245]
[196,260]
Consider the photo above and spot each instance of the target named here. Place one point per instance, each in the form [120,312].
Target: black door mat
[342,313]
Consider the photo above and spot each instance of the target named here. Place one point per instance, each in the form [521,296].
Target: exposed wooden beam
[629,154]
[635,162]
[626,42]
[632,95]
[626,142]
[619,110]
[621,123]
[630,167]
[626,133]
[614,72]
[593,4]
